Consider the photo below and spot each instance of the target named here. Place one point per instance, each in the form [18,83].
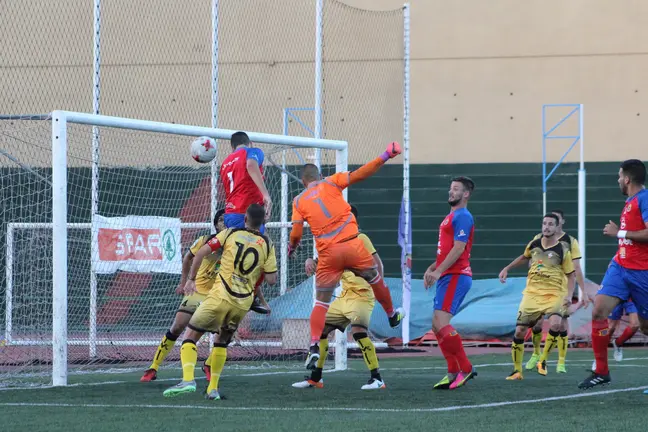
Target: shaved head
[309,173]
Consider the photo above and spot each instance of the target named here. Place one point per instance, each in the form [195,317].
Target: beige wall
[480,73]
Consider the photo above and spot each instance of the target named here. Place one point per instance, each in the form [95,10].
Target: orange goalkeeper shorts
[348,255]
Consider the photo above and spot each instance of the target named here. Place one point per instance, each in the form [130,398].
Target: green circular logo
[169,245]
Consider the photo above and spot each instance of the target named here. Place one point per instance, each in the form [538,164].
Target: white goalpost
[67,132]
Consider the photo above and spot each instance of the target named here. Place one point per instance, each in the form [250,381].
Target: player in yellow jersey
[563,339]
[545,294]
[247,256]
[354,307]
[205,279]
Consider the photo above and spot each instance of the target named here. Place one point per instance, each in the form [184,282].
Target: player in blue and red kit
[452,273]
[242,176]
[627,274]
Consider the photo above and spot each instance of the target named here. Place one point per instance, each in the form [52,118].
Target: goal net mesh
[140,174]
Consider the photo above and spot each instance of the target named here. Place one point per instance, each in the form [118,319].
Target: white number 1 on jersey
[231,181]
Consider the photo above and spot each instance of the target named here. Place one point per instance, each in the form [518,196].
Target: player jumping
[205,279]
[563,339]
[630,310]
[545,292]
[454,275]
[627,274]
[242,176]
[335,229]
[353,306]
[247,256]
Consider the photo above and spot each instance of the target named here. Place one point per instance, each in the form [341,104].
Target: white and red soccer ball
[203,149]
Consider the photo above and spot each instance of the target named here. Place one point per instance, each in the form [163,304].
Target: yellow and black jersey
[208,270]
[354,286]
[548,267]
[247,255]
[574,247]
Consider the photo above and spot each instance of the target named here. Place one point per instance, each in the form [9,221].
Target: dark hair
[354,210]
[560,212]
[217,216]
[552,216]
[635,169]
[255,215]
[238,139]
[467,183]
[310,172]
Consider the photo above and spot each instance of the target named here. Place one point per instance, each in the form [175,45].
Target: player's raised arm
[254,161]
[297,229]
[369,169]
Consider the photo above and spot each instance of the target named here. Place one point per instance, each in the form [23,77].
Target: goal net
[116,299]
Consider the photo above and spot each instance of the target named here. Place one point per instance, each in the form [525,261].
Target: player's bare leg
[460,370]
[555,323]
[382,294]
[323,297]
[188,357]
[517,352]
[166,345]
[536,337]
[603,306]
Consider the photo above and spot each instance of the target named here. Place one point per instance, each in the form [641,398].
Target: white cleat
[374,384]
[618,351]
[309,383]
[311,360]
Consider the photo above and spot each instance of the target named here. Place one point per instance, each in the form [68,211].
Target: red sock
[600,341]
[382,294]
[318,320]
[453,364]
[627,334]
[452,342]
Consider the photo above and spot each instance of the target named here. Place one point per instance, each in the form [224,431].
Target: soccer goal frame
[60,226]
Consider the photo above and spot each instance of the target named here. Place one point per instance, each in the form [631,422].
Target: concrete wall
[480,70]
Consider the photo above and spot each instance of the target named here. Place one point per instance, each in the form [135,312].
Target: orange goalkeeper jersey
[323,207]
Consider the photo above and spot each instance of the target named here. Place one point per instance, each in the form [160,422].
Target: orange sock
[382,294]
[318,320]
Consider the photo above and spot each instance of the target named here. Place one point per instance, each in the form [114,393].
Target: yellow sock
[188,357]
[550,343]
[563,342]
[517,352]
[368,352]
[323,347]
[165,347]
[217,362]
[537,340]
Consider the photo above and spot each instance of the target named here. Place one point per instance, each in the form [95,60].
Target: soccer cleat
[445,382]
[531,364]
[180,388]
[258,308]
[594,380]
[560,368]
[542,368]
[618,351]
[374,384]
[309,383]
[396,319]
[515,376]
[463,378]
[214,395]
[313,357]
[149,375]
[207,371]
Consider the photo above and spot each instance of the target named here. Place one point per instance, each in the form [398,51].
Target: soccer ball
[203,149]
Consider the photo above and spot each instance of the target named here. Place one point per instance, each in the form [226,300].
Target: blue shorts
[624,284]
[629,307]
[450,292]
[237,220]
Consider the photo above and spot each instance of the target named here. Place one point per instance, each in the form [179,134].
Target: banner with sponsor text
[139,244]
